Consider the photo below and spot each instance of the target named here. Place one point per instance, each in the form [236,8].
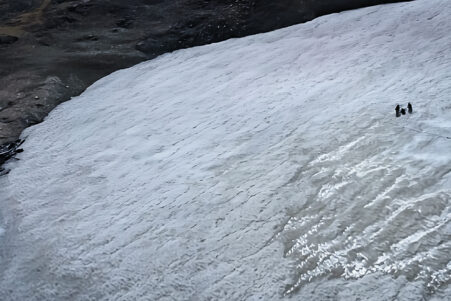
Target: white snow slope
[268,167]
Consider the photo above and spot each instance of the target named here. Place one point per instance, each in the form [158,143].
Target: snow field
[263,167]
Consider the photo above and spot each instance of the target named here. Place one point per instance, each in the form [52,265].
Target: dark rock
[125,23]
[59,21]
[8,150]
[6,39]
[332,6]
[9,9]
[155,46]
[81,9]
[89,37]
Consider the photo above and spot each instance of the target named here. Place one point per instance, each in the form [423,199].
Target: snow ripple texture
[267,167]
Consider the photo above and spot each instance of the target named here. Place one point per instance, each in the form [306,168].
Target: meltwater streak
[369,213]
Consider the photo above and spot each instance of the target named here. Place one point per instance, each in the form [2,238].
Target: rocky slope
[52,50]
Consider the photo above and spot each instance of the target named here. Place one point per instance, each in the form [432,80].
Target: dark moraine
[51,50]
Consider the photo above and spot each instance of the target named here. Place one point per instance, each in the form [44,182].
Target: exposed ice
[264,167]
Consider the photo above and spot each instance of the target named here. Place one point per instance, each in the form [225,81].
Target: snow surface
[265,167]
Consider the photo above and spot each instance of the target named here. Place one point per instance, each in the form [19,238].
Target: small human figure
[397,111]
[403,111]
[409,108]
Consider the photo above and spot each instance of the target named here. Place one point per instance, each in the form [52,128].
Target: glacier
[259,168]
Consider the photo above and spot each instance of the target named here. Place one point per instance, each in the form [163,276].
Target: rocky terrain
[52,50]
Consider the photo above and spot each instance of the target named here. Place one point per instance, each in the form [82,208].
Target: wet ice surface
[265,167]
